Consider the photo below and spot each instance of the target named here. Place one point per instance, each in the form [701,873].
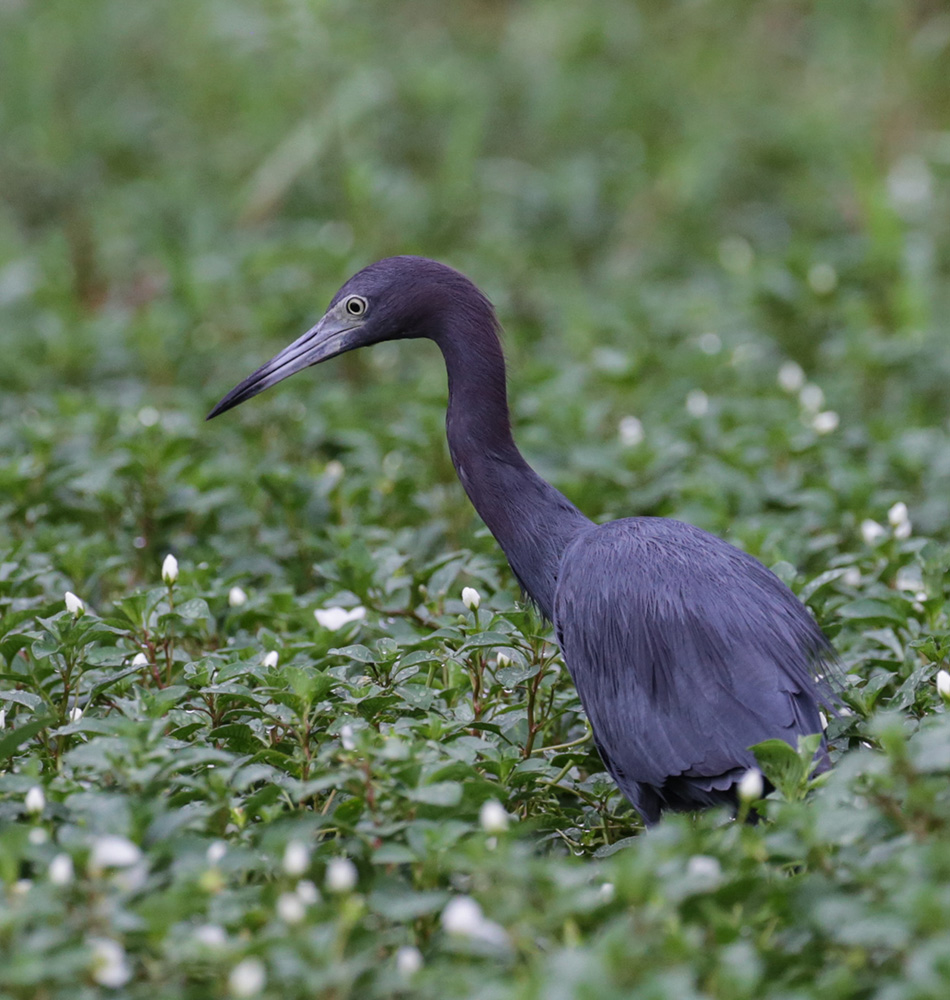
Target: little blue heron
[685,651]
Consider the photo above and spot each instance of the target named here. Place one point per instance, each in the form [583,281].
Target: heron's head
[391,299]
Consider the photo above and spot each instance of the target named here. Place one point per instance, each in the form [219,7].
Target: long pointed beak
[325,340]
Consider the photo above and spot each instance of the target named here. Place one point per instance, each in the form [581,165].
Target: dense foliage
[716,234]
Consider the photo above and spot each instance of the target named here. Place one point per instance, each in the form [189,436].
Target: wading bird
[685,651]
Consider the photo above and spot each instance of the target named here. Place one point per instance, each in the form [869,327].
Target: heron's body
[685,650]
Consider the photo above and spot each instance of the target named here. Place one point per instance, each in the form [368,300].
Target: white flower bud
[811,397]
[791,378]
[751,787]
[825,422]
[899,520]
[704,868]
[631,433]
[408,961]
[341,875]
[502,660]
[897,513]
[308,892]
[462,916]
[237,598]
[943,685]
[296,858]
[35,801]
[170,570]
[346,737]
[290,908]
[73,604]
[140,660]
[471,598]
[697,403]
[871,531]
[607,892]
[211,936]
[3,719]
[493,817]
[247,978]
[109,967]
[61,870]
[216,852]
[335,618]
[75,713]
[113,852]
[271,659]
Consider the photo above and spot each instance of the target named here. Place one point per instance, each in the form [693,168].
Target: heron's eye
[355,305]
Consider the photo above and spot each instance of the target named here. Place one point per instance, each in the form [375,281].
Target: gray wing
[685,652]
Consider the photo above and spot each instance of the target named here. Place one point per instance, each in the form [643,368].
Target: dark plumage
[685,650]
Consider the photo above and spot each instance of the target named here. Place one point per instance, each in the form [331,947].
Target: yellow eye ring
[355,305]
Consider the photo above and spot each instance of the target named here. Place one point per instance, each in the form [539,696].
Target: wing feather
[685,651]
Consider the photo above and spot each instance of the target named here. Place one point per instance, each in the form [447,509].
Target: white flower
[271,659]
[61,870]
[109,967]
[75,713]
[631,433]
[791,378]
[697,403]
[341,875]
[811,397]
[211,935]
[170,569]
[73,604]
[408,961]
[113,852]
[140,660]
[308,892]
[247,978]
[493,817]
[825,422]
[607,892]
[463,917]
[290,908]
[851,577]
[822,278]
[346,737]
[709,343]
[751,787]
[35,801]
[703,868]
[335,618]
[334,469]
[237,598]
[910,184]
[943,685]
[898,518]
[471,598]
[897,514]
[149,416]
[871,531]
[216,852]
[296,858]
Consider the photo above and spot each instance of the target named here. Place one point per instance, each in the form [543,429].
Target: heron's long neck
[530,519]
